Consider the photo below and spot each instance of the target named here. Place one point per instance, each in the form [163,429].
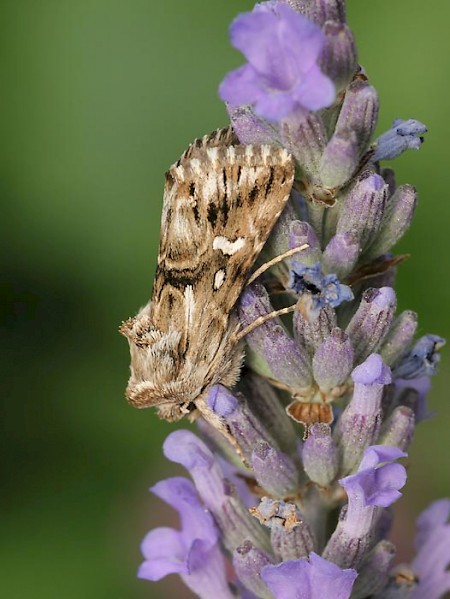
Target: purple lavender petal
[432,561]
[315,578]
[218,495]
[193,552]
[164,552]
[377,481]
[282,48]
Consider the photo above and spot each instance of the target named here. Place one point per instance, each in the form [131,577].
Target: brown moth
[221,200]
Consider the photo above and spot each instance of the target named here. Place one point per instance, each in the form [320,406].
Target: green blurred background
[98,98]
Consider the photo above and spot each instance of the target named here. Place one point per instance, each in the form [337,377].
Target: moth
[221,200]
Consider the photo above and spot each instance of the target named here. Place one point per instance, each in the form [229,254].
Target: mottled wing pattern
[221,200]
[220,204]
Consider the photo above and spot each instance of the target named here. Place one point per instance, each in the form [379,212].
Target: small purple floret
[323,290]
[372,372]
[432,561]
[193,552]
[404,135]
[422,359]
[282,48]
[378,480]
[314,578]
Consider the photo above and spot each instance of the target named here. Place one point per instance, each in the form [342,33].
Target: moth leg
[259,271]
[238,335]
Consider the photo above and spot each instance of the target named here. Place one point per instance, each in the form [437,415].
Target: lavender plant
[328,401]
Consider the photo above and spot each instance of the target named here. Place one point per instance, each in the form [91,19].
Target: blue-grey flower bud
[422,359]
[403,135]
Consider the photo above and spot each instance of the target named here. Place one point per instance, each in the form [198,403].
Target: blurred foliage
[99,97]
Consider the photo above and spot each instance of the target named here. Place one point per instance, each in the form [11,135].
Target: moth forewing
[220,204]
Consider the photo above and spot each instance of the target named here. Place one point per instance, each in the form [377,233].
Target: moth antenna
[261,320]
[262,269]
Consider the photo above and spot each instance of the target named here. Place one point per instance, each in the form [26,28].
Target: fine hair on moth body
[221,201]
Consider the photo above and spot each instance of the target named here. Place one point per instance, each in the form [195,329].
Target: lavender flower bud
[363,209]
[374,573]
[275,472]
[311,333]
[341,254]
[320,11]
[278,242]
[356,123]
[272,352]
[265,404]
[398,429]
[397,218]
[249,128]
[404,135]
[304,138]
[339,58]
[359,424]
[369,325]
[248,561]
[333,361]
[245,427]
[320,455]
[301,233]
[399,337]
[340,159]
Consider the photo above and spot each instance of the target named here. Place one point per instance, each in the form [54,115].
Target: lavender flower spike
[282,74]
[193,552]
[296,467]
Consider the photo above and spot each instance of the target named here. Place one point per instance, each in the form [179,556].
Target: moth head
[160,377]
